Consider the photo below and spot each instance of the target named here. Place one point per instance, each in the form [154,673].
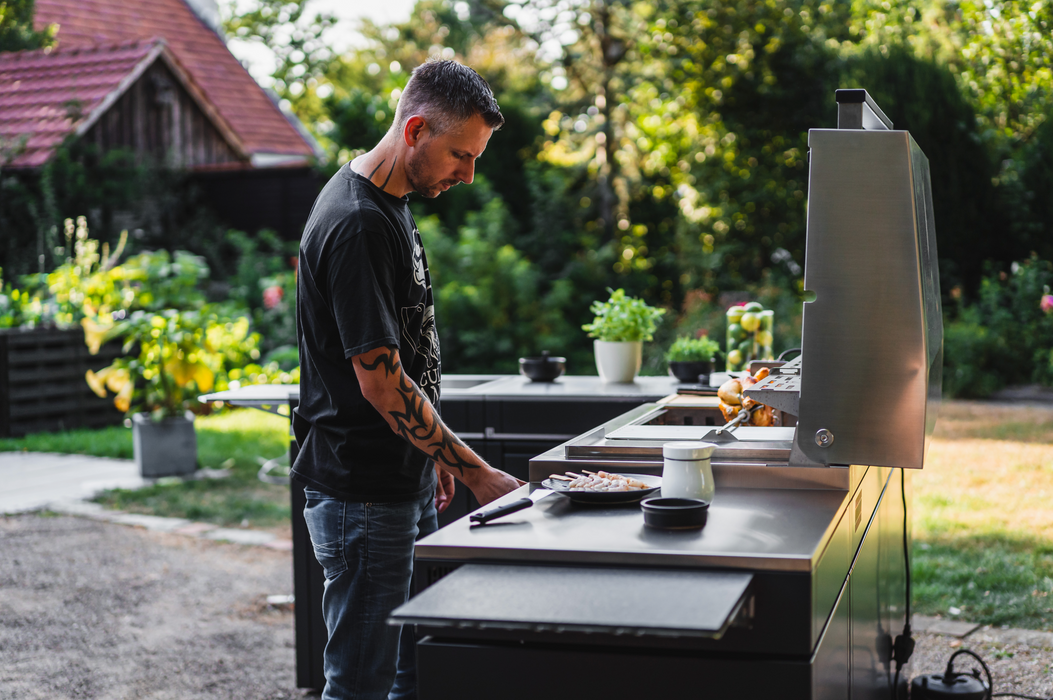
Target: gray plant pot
[164,448]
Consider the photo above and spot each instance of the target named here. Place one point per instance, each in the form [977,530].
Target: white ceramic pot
[618,361]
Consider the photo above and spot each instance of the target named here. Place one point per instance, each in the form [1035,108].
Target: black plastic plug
[903,647]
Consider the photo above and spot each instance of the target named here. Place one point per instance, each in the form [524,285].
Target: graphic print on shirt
[424,342]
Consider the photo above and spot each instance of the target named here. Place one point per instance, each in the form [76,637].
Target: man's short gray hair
[447,94]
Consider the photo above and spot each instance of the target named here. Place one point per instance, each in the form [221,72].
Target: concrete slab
[33,480]
[250,537]
[194,529]
[83,509]
[937,625]
[150,522]
[1031,638]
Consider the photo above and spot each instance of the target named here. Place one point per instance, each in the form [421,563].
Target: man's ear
[414,130]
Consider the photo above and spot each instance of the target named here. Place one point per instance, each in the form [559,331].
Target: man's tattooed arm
[410,414]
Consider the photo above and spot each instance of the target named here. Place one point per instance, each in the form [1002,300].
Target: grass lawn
[983,517]
[233,440]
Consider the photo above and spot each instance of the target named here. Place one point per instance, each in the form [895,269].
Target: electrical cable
[950,673]
[903,646]
[784,353]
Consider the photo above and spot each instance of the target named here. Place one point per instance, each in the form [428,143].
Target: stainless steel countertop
[756,529]
[467,386]
[566,387]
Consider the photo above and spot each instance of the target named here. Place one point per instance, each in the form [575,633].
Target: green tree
[492,303]
[16,27]
[295,37]
[724,117]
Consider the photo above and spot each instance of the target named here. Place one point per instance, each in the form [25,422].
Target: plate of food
[603,487]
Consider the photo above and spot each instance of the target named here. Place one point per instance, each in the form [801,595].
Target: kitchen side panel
[870,645]
[830,676]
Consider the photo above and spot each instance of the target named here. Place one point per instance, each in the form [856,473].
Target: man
[367,426]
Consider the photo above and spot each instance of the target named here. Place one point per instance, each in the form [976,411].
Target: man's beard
[415,175]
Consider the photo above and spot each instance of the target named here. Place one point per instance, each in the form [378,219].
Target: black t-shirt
[363,283]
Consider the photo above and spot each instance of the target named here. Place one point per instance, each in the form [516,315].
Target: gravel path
[98,610]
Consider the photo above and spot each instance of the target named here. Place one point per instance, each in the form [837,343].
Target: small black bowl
[675,513]
[691,372]
[544,368]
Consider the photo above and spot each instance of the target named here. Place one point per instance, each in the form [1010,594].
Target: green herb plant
[623,318]
[688,349]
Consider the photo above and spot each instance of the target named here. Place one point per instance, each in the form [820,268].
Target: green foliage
[491,303]
[1003,338]
[1006,57]
[688,349]
[264,283]
[160,208]
[970,350]
[179,355]
[707,313]
[623,318]
[16,27]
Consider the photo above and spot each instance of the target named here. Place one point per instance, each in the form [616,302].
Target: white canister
[687,472]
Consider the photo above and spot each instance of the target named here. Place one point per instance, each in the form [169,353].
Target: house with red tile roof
[154,77]
[267,136]
[134,96]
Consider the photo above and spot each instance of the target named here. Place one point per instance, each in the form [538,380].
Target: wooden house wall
[157,118]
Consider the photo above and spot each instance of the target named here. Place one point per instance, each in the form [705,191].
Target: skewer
[560,477]
[572,474]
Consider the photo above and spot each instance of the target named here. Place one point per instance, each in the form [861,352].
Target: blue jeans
[366,551]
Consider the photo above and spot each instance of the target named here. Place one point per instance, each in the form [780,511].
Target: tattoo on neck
[376,169]
[389,172]
[413,422]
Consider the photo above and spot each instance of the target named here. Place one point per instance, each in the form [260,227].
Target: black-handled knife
[513,507]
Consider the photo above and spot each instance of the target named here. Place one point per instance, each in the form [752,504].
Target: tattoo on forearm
[376,169]
[389,361]
[413,423]
[389,172]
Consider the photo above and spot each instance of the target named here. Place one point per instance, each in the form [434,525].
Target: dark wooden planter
[42,386]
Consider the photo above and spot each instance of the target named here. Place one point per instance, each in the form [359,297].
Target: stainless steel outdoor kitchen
[797,584]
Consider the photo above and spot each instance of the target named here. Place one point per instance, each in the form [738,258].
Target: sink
[464,382]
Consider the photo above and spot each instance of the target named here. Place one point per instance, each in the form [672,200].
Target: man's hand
[444,488]
[490,484]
